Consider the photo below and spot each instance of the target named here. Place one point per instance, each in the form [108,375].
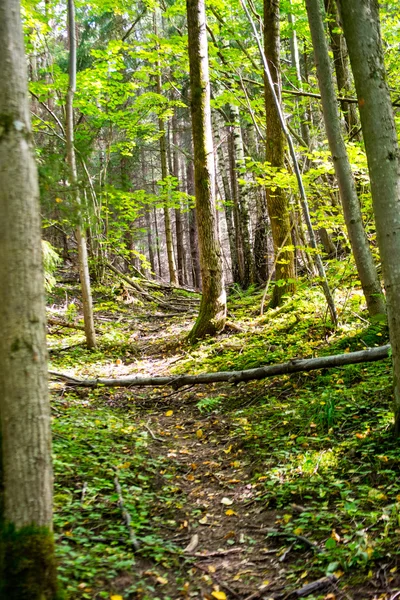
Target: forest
[200,300]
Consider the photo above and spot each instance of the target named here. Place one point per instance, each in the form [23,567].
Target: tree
[277,201]
[212,313]
[361,27]
[27,563]
[71,158]
[351,205]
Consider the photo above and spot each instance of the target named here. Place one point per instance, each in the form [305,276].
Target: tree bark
[362,31]
[342,67]
[293,366]
[180,241]
[193,237]
[347,188]
[27,562]
[277,201]
[71,159]
[212,314]
[242,192]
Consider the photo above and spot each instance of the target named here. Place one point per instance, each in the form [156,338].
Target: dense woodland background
[219,192]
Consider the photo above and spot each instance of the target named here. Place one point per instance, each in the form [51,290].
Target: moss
[27,564]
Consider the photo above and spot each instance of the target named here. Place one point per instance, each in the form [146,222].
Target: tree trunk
[242,191]
[277,201]
[27,562]
[180,240]
[362,31]
[164,174]
[342,67]
[212,312]
[71,159]
[228,208]
[347,188]
[194,242]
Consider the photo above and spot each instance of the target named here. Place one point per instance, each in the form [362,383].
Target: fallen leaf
[226,501]
[161,581]
[199,433]
[116,597]
[219,595]
[169,413]
[230,513]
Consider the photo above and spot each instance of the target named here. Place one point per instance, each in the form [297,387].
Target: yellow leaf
[199,433]
[298,530]
[118,361]
[265,582]
[58,200]
[227,450]
[230,512]
[169,413]
[162,580]
[116,597]
[219,595]
[212,569]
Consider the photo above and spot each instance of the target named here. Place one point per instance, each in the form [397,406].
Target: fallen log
[293,366]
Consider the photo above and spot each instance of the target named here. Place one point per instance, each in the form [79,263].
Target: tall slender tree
[212,313]
[351,205]
[27,563]
[277,200]
[71,158]
[361,27]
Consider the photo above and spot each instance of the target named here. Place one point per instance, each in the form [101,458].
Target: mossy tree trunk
[27,563]
[212,313]
[277,200]
[362,31]
[351,205]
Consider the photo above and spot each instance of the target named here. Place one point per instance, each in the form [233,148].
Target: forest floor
[250,491]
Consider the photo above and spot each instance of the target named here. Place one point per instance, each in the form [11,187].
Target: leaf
[162,580]
[169,413]
[116,597]
[199,433]
[230,512]
[226,501]
[219,595]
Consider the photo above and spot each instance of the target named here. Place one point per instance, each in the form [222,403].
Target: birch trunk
[347,188]
[71,159]
[27,564]
[362,31]
[212,314]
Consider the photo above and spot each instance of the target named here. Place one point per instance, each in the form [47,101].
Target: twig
[216,553]
[289,534]
[125,514]
[152,434]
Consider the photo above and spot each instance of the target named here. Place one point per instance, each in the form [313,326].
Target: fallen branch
[314,586]
[125,514]
[66,324]
[141,291]
[293,366]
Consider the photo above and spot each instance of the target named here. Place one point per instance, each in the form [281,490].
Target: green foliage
[51,260]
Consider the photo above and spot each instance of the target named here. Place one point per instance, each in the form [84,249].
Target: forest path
[190,470]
